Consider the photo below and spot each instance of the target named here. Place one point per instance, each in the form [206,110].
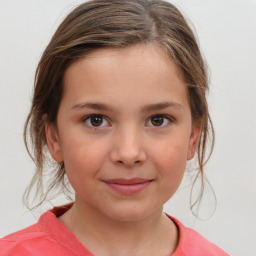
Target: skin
[136,84]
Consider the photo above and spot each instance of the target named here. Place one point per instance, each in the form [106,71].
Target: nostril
[127,156]
[130,163]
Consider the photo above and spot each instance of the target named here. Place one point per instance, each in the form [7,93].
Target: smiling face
[124,131]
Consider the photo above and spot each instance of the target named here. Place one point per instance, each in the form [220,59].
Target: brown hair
[115,24]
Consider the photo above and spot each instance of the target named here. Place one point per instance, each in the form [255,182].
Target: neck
[155,234]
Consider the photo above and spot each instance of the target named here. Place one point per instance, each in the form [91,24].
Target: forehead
[118,73]
[147,55]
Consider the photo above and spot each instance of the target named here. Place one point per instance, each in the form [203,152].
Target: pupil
[96,120]
[157,120]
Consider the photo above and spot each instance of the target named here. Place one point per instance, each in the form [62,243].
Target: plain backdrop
[227,33]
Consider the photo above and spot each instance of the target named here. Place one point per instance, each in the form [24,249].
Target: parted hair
[99,24]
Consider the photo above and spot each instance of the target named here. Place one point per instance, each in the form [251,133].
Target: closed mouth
[128,186]
[122,181]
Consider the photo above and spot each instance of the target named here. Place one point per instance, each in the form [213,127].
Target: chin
[132,214]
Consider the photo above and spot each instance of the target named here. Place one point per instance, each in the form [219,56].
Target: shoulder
[191,243]
[33,240]
[19,243]
[47,237]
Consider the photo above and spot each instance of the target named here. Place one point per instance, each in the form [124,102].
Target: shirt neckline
[50,224]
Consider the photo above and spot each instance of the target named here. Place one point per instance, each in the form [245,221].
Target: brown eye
[96,121]
[157,120]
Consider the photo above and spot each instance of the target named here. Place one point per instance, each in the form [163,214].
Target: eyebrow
[161,105]
[147,108]
[95,106]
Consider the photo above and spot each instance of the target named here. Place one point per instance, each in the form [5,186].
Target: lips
[128,186]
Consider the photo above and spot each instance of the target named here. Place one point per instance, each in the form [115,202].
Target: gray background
[227,34]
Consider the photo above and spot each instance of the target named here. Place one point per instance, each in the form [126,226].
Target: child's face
[124,115]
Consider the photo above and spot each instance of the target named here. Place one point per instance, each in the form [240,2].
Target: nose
[127,148]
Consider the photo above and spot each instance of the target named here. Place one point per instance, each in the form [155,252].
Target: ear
[194,138]
[53,141]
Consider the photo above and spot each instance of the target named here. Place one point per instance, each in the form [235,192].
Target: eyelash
[88,118]
[167,118]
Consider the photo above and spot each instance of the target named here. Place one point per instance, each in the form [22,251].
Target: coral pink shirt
[49,237]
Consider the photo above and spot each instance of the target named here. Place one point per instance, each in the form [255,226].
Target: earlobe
[53,142]
[194,139]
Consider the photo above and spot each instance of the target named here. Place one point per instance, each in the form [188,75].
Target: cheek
[170,162]
[170,159]
[83,158]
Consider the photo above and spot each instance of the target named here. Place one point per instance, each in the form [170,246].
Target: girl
[119,102]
